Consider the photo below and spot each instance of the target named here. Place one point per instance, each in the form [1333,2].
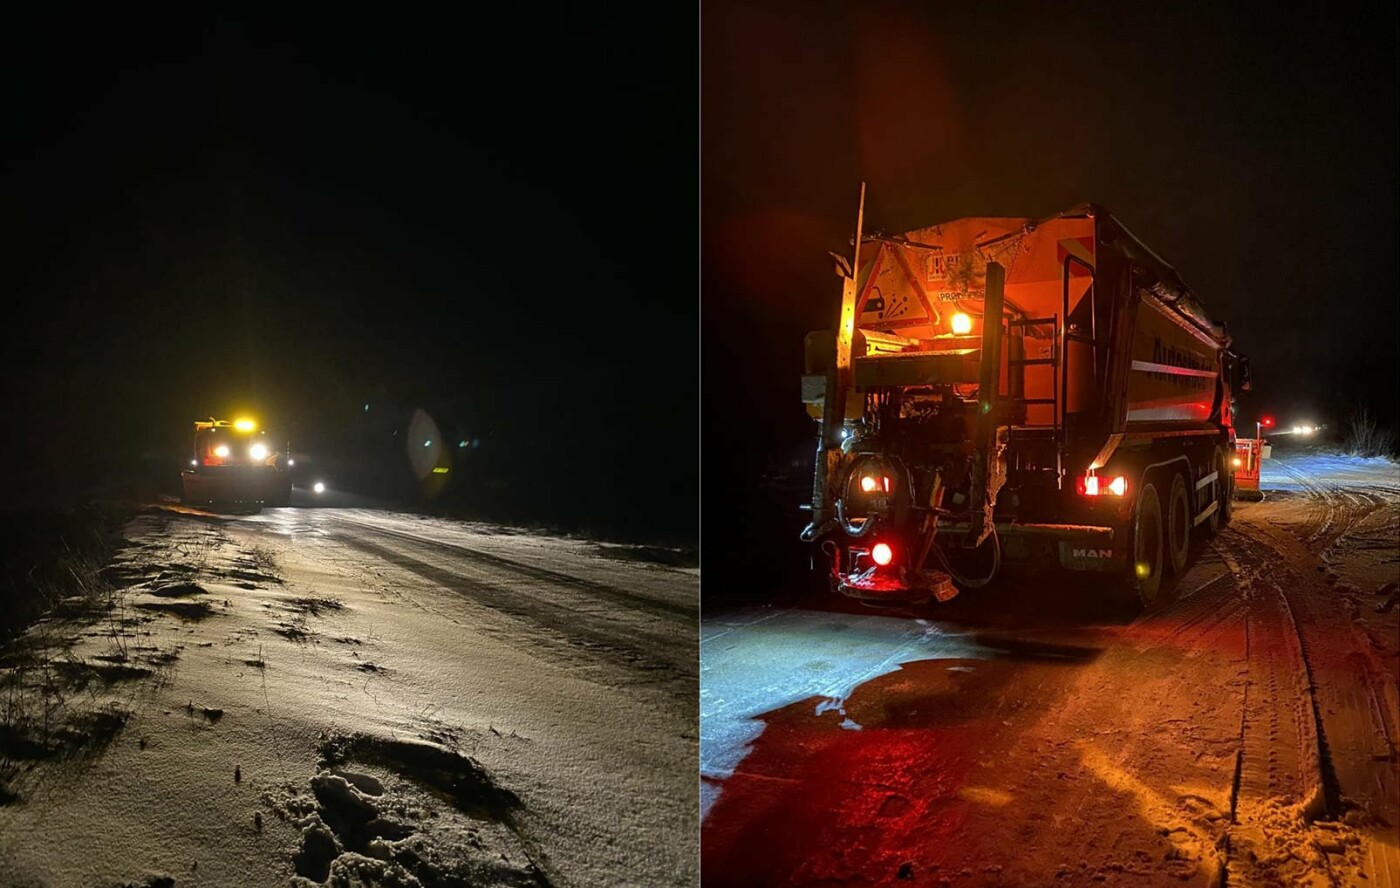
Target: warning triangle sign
[891,296]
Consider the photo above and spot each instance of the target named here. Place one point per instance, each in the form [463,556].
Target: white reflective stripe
[1161,414]
[1149,367]
[1207,511]
[1207,479]
[1106,451]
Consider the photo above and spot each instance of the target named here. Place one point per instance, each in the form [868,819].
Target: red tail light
[870,484]
[882,554]
[1093,485]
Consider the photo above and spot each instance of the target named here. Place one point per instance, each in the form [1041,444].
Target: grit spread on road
[358,697]
[1048,733]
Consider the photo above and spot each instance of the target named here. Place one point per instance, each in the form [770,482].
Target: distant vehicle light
[1267,422]
[245,425]
[461,443]
[221,451]
[291,462]
[258,451]
[1297,430]
[961,324]
[194,462]
[868,484]
[428,443]
[882,554]
[319,487]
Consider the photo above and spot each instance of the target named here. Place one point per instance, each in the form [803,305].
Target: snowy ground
[1048,733]
[318,696]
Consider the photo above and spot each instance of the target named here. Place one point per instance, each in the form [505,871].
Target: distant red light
[1267,422]
[882,554]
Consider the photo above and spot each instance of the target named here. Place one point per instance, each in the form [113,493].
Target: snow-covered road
[346,693]
[1048,733]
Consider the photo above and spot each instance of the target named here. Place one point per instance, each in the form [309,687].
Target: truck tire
[1226,487]
[1146,558]
[1178,525]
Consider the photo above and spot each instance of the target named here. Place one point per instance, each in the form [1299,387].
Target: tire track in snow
[610,645]
[1356,735]
[623,597]
[1283,776]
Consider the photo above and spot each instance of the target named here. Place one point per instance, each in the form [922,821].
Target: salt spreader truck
[1009,389]
[236,463]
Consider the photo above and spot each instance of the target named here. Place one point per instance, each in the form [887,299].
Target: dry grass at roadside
[1366,437]
[51,573]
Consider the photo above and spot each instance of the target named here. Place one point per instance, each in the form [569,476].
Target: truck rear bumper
[1076,546]
[1082,547]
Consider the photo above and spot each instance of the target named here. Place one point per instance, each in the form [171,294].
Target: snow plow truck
[1003,390]
[236,463]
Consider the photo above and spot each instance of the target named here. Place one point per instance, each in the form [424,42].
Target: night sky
[1255,153]
[492,217]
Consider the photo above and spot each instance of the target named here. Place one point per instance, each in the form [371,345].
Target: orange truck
[1003,390]
[235,462]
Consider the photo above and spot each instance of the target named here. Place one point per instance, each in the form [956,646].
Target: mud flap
[1089,556]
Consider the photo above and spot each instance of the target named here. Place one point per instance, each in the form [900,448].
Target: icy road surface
[308,695]
[1046,732]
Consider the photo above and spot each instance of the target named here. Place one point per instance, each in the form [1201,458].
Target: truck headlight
[258,452]
[221,451]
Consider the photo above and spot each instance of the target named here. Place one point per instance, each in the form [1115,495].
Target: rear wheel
[1145,571]
[1225,488]
[1178,524]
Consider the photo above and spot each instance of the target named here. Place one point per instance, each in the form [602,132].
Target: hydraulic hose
[854,532]
[964,581]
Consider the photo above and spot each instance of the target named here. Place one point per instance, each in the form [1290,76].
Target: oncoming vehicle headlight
[258,451]
[221,451]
